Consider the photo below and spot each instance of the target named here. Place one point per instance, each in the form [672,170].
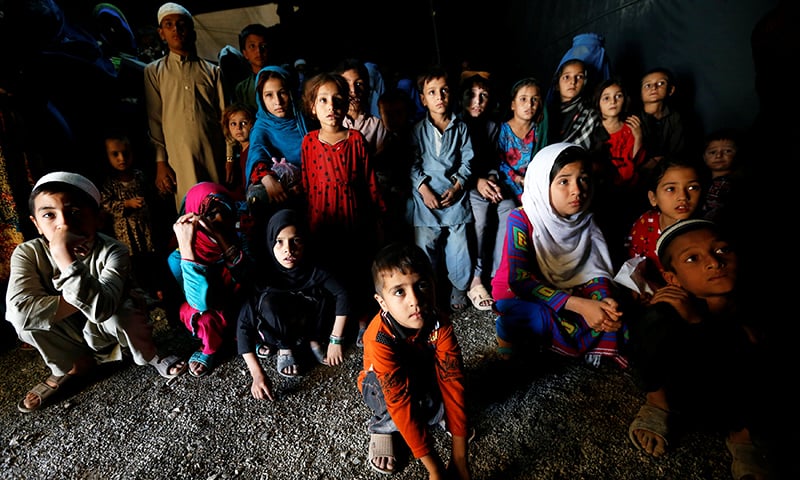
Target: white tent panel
[220,28]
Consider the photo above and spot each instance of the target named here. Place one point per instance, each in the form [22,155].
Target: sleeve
[30,303]
[418,176]
[466,156]
[192,278]
[370,178]
[521,260]
[154,104]
[111,203]
[450,375]
[333,286]
[246,325]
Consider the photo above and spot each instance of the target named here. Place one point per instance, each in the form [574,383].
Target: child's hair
[529,82]
[270,74]
[664,71]
[727,133]
[357,65]
[598,93]
[674,231]
[476,79]
[574,153]
[402,256]
[253,29]
[312,87]
[665,164]
[433,72]
[228,113]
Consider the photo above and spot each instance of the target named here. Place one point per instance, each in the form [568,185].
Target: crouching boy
[69,292]
[413,373]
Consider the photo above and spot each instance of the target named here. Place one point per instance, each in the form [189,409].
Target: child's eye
[399,292]
[691,259]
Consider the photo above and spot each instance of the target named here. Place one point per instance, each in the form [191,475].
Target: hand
[489,190]
[274,189]
[166,182]
[680,299]
[261,387]
[185,228]
[334,356]
[636,126]
[221,232]
[429,197]
[65,245]
[135,202]
[451,195]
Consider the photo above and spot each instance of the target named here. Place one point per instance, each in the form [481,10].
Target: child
[125,195]
[188,142]
[554,281]
[299,303]
[413,373]
[359,115]
[70,294]
[237,121]
[210,265]
[662,126]
[691,351]
[720,155]
[571,117]
[439,175]
[277,134]
[342,191]
[254,45]
[674,191]
[477,111]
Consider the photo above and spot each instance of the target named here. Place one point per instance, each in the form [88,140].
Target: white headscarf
[570,251]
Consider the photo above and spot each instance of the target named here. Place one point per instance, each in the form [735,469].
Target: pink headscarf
[198,200]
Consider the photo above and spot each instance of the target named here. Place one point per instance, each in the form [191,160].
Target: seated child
[211,264]
[300,303]
[69,292]
[413,372]
[692,352]
[553,285]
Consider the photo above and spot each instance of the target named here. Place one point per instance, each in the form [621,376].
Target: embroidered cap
[78,181]
[170,8]
[677,228]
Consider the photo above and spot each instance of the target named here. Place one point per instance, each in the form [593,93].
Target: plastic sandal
[203,359]
[286,360]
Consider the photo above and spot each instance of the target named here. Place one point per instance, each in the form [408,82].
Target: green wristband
[334,340]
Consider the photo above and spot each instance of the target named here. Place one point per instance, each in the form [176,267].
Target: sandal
[381,445]
[170,363]
[360,337]
[747,460]
[650,419]
[319,353]
[458,300]
[286,360]
[43,391]
[206,360]
[480,298]
[263,350]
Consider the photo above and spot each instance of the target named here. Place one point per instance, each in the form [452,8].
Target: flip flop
[44,391]
[380,445]
[165,364]
[267,350]
[206,360]
[478,295]
[286,360]
[650,419]
[458,300]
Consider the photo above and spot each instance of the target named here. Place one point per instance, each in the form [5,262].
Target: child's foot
[360,336]
[381,453]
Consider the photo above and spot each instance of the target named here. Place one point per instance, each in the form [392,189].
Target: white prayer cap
[170,8]
[78,181]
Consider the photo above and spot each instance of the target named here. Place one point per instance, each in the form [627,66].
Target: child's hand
[680,299]
[135,202]
[636,126]
[185,227]
[334,357]
[429,197]
[225,237]
[489,190]
[274,189]
[65,244]
[261,388]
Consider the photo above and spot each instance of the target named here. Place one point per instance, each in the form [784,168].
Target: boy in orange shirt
[413,373]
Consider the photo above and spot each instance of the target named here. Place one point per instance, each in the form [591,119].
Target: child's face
[719,155]
[703,264]
[289,247]
[476,100]
[329,105]
[611,101]
[677,194]
[570,189]
[526,103]
[55,213]
[358,91]
[255,51]
[571,82]
[436,96]
[240,124]
[119,154]
[406,296]
[177,31]
[276,97]
[655,88]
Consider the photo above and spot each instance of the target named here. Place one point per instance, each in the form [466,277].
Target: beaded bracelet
[335,340]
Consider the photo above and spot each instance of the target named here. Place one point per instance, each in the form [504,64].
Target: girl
[571,118]
[278,132]
[210,264]
[554,280]
[344,201]
[301,302]
[477,111]
[674,192]
[359,115]
[237,121]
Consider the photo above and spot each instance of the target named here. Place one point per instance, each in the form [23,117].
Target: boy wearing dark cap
[69,293]
[694,356]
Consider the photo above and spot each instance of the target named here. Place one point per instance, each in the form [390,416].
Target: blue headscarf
[273,137]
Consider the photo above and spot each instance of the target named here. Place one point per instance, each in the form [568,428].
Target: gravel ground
[552,418]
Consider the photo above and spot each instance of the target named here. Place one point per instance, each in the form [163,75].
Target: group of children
[274,251]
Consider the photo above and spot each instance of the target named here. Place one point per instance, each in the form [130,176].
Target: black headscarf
[304,275]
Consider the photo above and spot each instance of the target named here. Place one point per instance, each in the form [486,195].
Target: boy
[692,351]
[185,99]
[439,174]
[255,49]
[662,125]
[413,370]
[69,294]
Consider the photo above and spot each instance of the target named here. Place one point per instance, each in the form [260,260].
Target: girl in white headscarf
[553,285]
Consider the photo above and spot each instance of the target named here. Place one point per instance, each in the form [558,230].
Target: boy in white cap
[69,292]
[185,99]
